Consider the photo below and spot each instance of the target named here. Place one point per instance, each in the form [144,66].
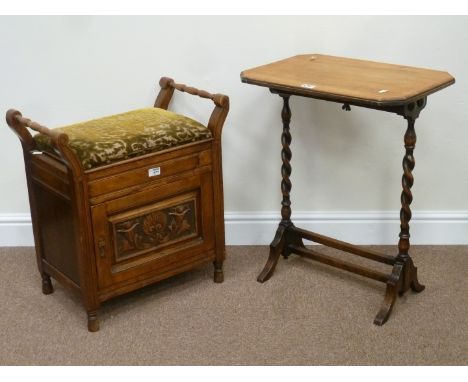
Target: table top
[348,80]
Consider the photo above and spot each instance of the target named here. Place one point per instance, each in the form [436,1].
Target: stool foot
[47,287]
[218,272]
[93,321]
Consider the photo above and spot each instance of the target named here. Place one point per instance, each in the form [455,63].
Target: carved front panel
[154,227]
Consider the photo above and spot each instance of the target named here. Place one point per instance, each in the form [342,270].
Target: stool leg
[93,320]
[47,287]
[218,272]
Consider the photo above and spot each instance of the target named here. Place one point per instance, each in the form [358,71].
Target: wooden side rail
[218,116]
[19,125]
[170,85]
[345,247]
[193,91]
[354,268]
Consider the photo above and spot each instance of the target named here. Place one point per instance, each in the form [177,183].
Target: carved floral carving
[154,229]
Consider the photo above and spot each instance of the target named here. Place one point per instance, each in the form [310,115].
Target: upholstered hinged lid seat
[127,135]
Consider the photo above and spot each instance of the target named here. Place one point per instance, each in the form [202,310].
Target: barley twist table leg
[406,196]
[404,275]
[286,167]
[410,271]
[279,245]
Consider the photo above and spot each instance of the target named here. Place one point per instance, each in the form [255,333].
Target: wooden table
[393,88]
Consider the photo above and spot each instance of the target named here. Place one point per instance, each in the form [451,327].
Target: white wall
[346,165]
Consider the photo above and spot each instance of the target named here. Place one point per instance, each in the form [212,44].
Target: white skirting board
[16,230]
[258,228]
[357,227]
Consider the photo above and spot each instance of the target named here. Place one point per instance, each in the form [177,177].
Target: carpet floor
[307,314]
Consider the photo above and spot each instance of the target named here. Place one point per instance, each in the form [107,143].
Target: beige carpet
[307,314]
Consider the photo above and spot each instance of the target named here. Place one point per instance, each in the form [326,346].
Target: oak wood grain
[347,79]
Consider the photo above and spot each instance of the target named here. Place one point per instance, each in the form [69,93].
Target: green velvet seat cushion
[127,135]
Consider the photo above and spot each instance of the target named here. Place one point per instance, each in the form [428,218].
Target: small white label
[155,171]
[308,86]
[383,91]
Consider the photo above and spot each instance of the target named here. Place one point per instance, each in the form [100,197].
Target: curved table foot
[415,285]
[393,286]
[276,247]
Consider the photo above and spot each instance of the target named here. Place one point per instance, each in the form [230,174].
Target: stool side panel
[56,231]
[54,214]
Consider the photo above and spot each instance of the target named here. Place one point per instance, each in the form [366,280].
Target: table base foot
[393,287]
[403,277]
[416,286]
[276,248]
[288,240]
[413,277]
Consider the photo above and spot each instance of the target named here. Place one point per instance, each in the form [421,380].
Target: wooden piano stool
[121,202]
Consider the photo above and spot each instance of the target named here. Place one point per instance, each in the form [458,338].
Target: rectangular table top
[348,80]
